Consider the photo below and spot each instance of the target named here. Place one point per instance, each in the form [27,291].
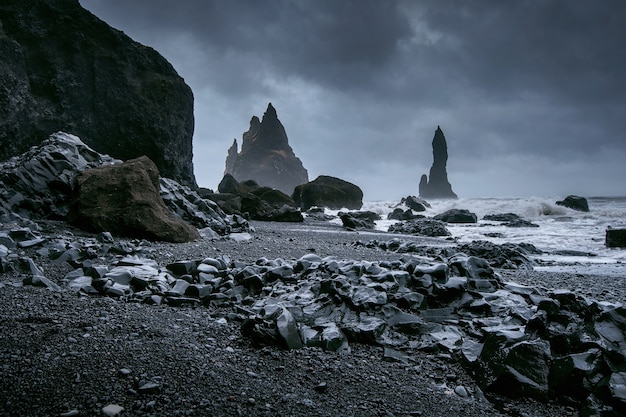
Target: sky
[530,95]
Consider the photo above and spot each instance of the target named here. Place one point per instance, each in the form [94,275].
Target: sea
[571,241]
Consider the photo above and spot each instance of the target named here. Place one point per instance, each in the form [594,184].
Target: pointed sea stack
[437,185]
[266,156]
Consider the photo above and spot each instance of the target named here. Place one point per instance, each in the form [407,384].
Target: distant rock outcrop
[124,199]
[266,156]
[437,185]
[63,69]
[574,202]
[331,192]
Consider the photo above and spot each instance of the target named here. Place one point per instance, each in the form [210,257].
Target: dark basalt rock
[421,227]
[254,201]
[124,199]
[330,192]
[615,238]
[266,156]
[359,219]
[415,203]
[399,214]
[64,69]
[575,203]
[457,216]
[436,185]
[502,217]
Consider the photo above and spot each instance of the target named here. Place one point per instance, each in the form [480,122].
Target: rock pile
[41,183]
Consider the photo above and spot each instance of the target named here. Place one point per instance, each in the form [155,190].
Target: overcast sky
[531,95]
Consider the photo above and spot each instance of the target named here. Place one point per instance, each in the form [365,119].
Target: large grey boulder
[330,192]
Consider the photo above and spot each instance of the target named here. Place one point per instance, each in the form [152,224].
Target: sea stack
[266,156]
[437,185]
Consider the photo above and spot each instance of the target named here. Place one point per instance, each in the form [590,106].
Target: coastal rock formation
[330,192]
[615,238]
[457,216]
[124,199]
[574,202]
[64,69]
[436,185]
[253,201]
[266,156]
[40,183]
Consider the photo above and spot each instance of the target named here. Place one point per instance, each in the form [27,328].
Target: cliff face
[266,156]
[437,185]
[64,69]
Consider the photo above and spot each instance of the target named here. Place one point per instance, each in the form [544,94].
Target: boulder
[62,68]
[124,199]
[359,219]
[266,156]
[575,203]
[415,203]
[421,227]
[256,202]
[399,214]
[437,185]
[330,192]
[457,216]
[615,238]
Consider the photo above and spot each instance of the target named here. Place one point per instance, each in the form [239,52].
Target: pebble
[71,413]
[461,391]
[112,410]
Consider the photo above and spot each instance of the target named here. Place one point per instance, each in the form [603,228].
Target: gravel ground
[62,354]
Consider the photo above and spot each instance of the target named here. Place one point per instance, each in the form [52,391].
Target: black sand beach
[66,354]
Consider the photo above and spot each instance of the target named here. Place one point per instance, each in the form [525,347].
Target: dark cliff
[437,185]
[62,68]
[266,156]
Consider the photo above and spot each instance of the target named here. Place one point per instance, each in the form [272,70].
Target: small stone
[251,401]
[321,387]
[112,410]
[71,413]
[148,388]
[461,391]
[125,371]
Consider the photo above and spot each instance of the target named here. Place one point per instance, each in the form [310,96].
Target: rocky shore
[64,353]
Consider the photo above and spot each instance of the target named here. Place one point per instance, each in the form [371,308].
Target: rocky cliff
[64,69]
[266,156]
[437,185]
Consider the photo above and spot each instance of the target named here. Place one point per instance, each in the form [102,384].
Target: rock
[415,203]
[575,203]
[124,200]
[266,156]
[45,175]
[112,410]
[399,214]
[502,217]
[330,192]
[457,216]
[65,69]
[615,238]
[421,227]
[506,255]
[359,219]
[437,185]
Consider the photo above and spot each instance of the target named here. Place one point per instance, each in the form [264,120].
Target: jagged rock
[256,202]
[502,217]
[124,199]
[415,203]
[359,219]
[64,69]
[266,156]
[436,185]
[507,255]
[40,181]
[330,192]
[399,214]
[615,238]
[457,216]
[575,203]
[421,227]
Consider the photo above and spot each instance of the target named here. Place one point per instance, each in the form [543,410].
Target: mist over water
[560,229]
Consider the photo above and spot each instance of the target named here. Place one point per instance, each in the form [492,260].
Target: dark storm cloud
[361,85]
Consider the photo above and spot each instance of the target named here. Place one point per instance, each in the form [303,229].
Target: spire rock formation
[437,185]
[266,156]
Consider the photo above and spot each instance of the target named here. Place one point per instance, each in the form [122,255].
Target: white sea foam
[560,229]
